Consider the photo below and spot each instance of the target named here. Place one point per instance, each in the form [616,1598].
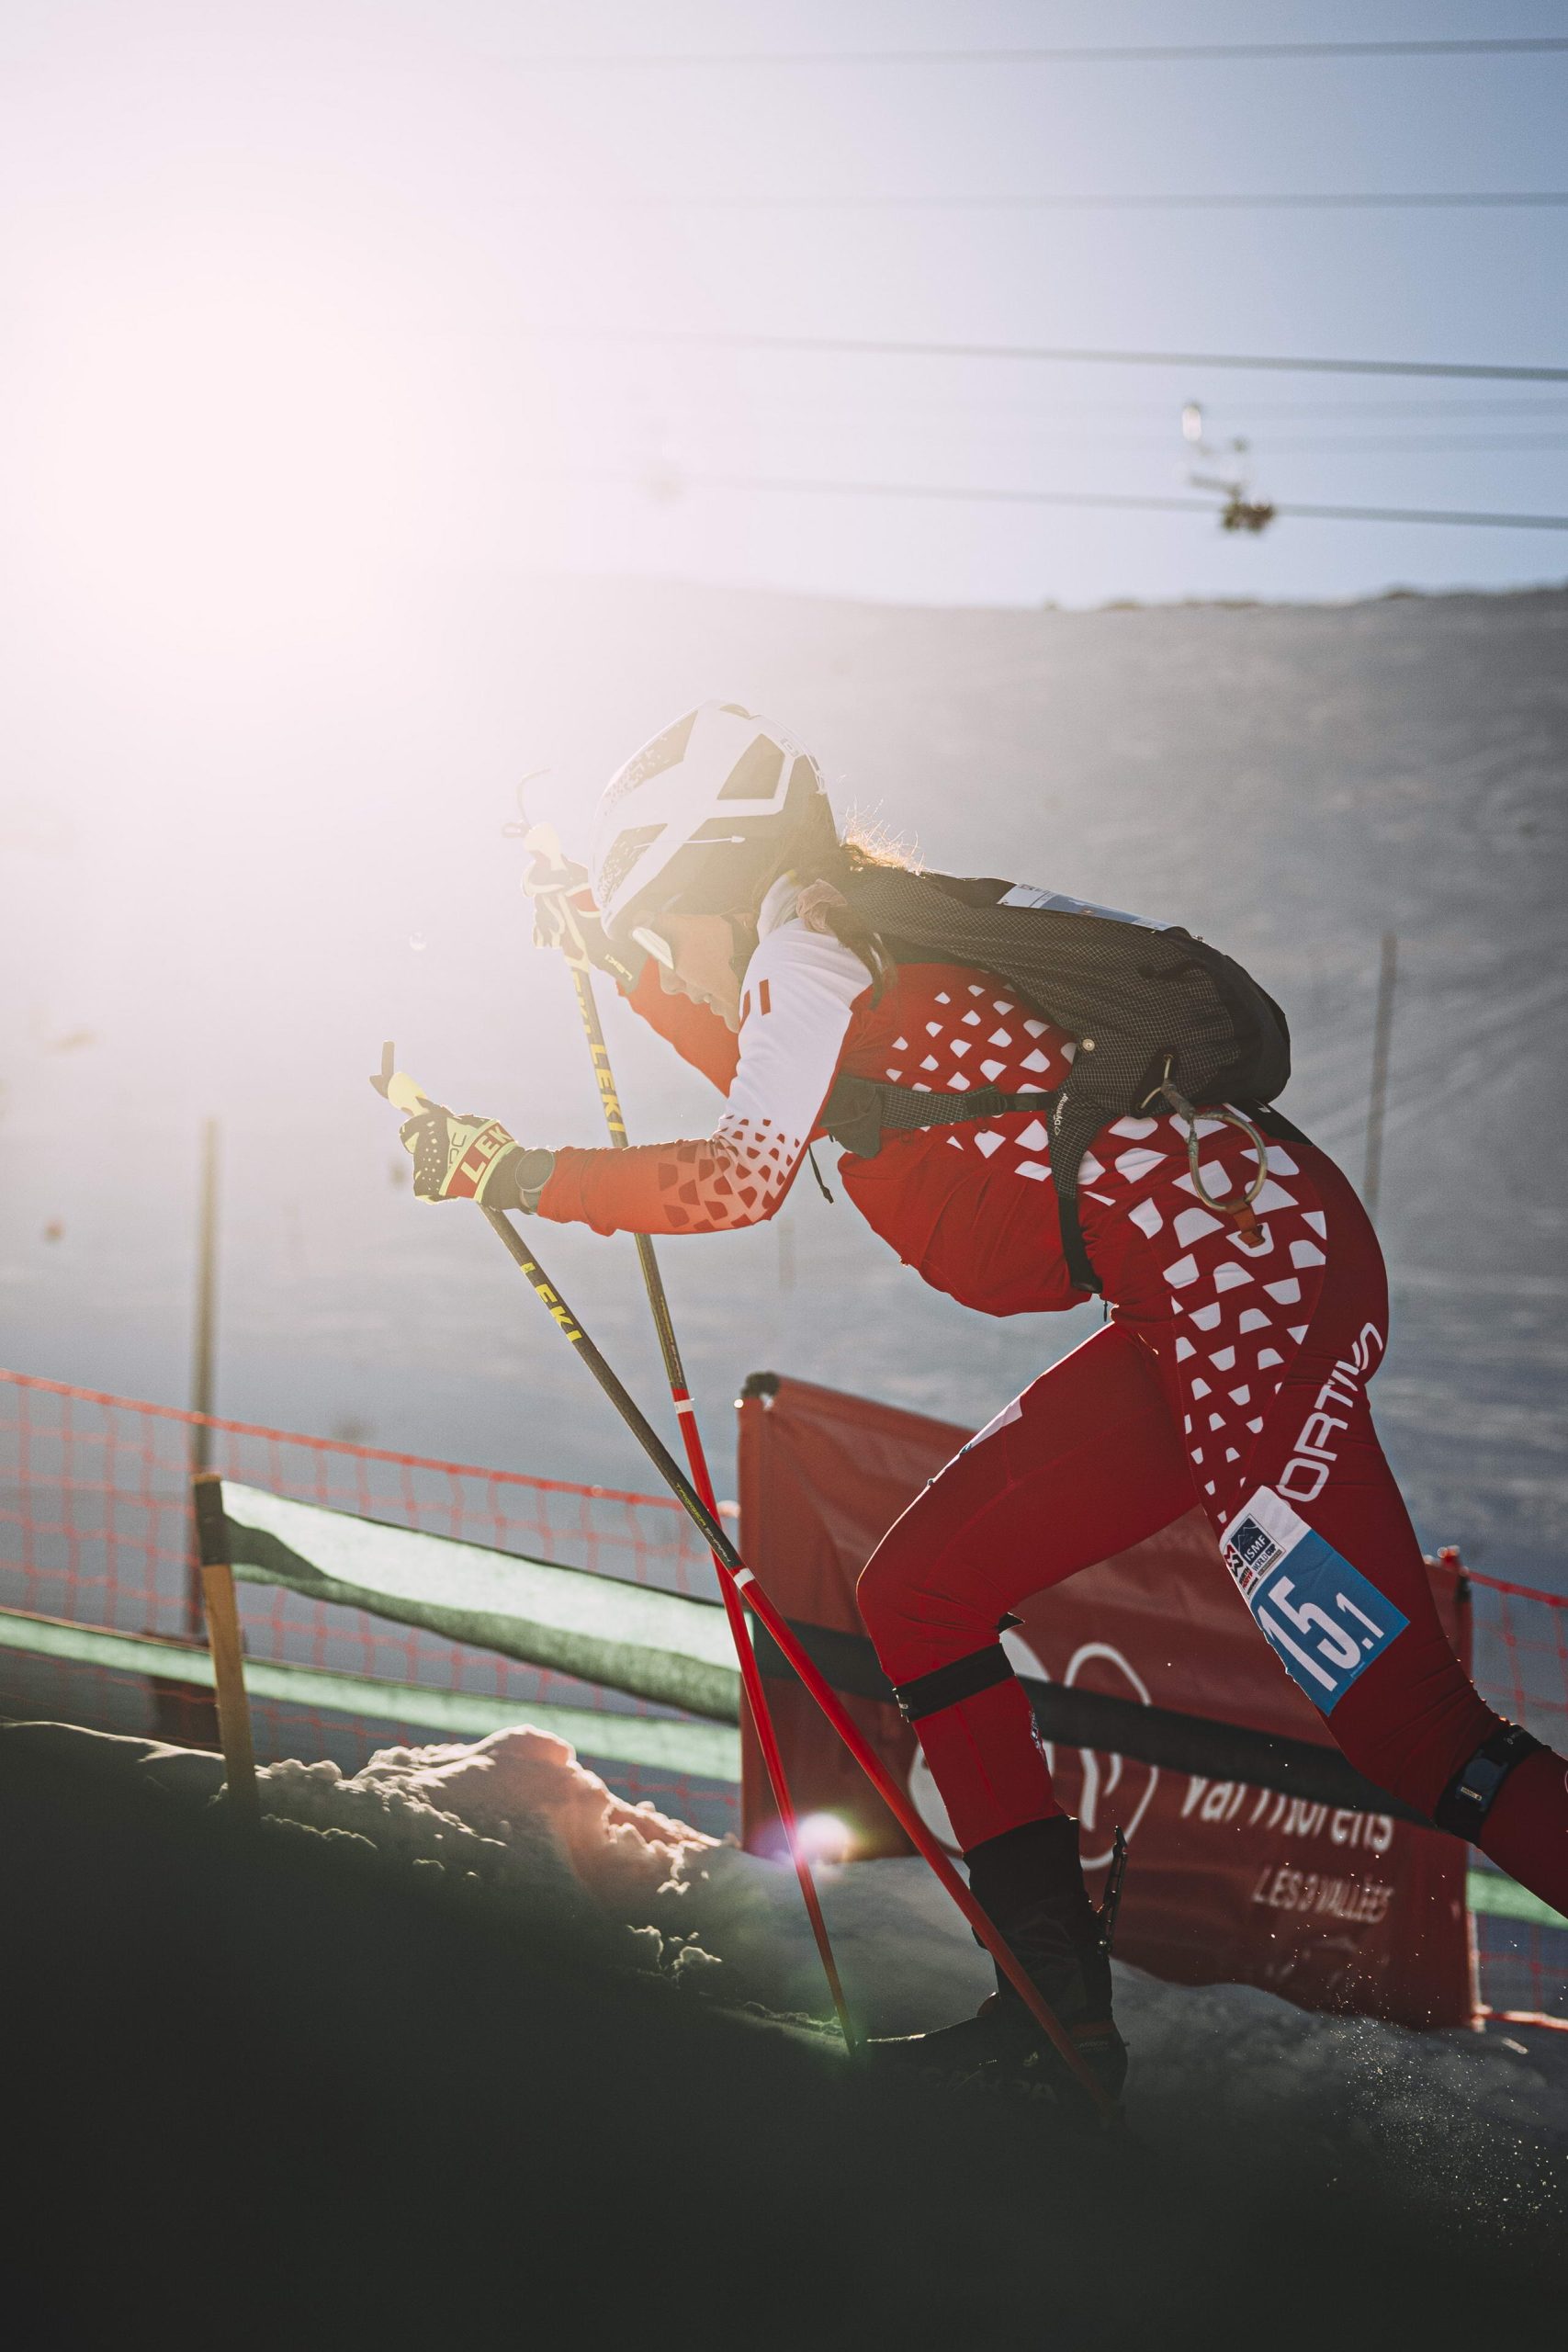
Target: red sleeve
[801,995]
[695,1031]
[707,1186]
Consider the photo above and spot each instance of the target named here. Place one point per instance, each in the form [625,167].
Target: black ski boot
[1030,1882]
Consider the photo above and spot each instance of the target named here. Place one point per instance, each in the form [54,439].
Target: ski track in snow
[1475,2126]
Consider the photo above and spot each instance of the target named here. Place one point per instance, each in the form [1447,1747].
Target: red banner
[1333,1906]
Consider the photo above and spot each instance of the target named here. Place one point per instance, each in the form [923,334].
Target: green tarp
[664,1743]
[661,1646]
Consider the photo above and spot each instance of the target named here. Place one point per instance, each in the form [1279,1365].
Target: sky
[304,300]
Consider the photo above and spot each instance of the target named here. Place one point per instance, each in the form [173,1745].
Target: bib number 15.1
[1320,1616]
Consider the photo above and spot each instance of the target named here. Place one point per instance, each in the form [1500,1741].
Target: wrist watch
[531,1172]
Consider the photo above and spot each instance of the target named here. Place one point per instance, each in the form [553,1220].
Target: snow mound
[522,1784]
[513,1817]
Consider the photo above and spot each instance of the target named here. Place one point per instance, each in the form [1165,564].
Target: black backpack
[1162,1020]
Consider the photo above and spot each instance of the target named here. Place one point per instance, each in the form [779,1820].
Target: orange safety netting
[1520,1662]
[94,1528]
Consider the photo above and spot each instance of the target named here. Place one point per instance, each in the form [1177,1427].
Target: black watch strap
[532,1171]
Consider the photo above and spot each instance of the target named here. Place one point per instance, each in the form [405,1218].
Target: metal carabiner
[1241,1206]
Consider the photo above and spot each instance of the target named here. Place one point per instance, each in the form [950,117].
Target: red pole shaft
[915,1829]
[685,1413]
[762,1721]
[729,1559]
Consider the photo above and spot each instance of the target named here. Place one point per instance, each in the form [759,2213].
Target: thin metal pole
[183,1715]
[203,1346]
[203,1352]
[696,1457]
[1377,1094]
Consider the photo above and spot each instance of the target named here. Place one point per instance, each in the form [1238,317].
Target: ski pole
[406,1096]
[541,842]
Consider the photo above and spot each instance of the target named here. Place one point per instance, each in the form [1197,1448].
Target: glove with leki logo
[460,1156]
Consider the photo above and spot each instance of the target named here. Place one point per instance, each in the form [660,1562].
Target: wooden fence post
[223,1640]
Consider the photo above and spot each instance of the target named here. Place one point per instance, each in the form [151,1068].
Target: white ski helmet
[702,817]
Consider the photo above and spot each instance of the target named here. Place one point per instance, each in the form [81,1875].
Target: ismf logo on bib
[1322,1619]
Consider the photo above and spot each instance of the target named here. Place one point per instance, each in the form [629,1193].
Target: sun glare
[824,1837]
[216,469]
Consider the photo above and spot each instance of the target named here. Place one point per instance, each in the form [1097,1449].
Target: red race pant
[1114,1443]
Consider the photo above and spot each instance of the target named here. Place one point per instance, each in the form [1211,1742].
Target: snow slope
[1466,2121]
[1467,2130]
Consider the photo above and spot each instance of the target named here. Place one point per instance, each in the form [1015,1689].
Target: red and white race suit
[1232,1370]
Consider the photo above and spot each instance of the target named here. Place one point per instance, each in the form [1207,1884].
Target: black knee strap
[1470,1794]
[962,1678]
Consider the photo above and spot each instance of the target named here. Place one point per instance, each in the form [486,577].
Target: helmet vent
[623,855]
[666,751]
[755,775]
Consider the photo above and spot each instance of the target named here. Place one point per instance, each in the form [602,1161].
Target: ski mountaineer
[1246,1310]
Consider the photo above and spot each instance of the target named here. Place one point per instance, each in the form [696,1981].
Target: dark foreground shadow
[278,2092]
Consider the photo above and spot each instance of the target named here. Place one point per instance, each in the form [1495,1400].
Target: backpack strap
[860,1111]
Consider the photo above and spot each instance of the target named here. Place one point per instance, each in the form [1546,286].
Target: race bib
[1322,1619]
